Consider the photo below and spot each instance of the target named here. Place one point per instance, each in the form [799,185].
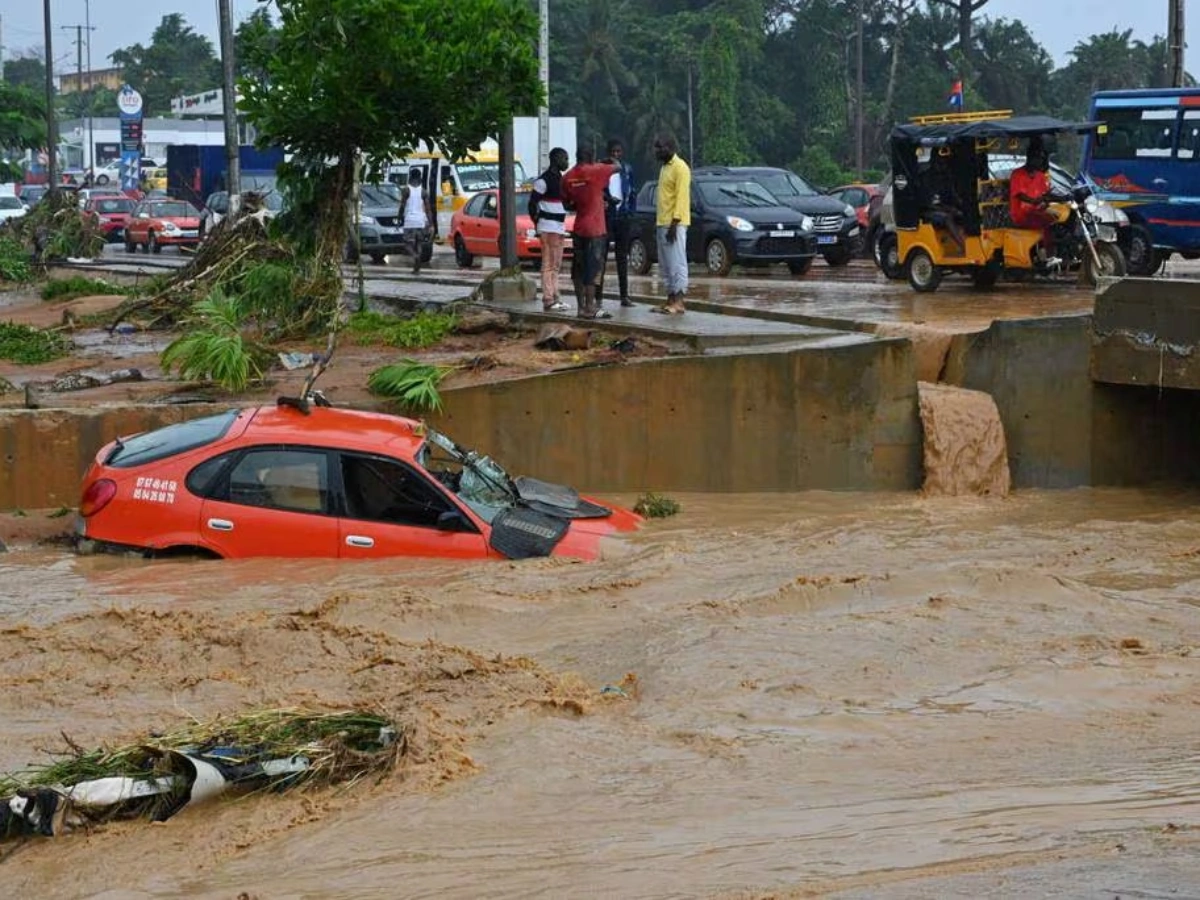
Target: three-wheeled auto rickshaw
[952,215]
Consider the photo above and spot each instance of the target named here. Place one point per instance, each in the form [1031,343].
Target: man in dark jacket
[622,203]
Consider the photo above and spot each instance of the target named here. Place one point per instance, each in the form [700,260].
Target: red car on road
[860,196]
[159,223]
[111,212]
[475,229]
[313,481]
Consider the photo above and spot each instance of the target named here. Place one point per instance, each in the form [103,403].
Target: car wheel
[639,257]
[923,275]
[800,266]
[1112,264]
[153,246]
[839,257]
[380,259]
[464,259]
[718,257]
[1144,260]
[101,179]
[351,252]
[887,255]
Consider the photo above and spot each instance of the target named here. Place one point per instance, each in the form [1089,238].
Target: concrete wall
[1147,333]
[772,420]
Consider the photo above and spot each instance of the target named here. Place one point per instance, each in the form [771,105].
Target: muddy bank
[1017,678]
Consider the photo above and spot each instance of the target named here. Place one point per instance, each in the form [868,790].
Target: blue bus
[1146,160]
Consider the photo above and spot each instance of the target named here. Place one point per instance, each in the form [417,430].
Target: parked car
[154,179]
[380,228]
[859,196]
[32,193]
[324,482]
[216,207]
[475,229]
[839,236]
[111,212]
[734,222]
[11,207]
[158,223]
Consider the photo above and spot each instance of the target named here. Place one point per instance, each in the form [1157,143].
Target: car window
[203,481]
[475,205]
[8,201]
[289,479]
[152,446]
[735,193]
[490,206]
[114,205]
[385,490]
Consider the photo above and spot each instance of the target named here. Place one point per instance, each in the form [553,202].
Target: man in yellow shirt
[673,216]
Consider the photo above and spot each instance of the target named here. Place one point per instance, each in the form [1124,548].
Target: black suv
[839,237]
[734,222]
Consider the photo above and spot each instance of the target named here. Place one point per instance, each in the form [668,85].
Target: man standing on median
[550,219]
[584,187]
[672,218]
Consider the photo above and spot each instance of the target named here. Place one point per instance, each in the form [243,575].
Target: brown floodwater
[865,695]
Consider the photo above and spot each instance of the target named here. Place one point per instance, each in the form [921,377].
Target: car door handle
[359,540]
[220,525]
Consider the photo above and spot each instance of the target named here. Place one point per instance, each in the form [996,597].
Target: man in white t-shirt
[414,217]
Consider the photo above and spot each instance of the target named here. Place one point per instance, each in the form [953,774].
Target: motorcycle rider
[1030,200]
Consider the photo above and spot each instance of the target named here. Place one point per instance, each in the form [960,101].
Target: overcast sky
[1057,24]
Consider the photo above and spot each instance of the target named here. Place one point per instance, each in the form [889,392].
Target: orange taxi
[322,482]
[475,230]
[157,222]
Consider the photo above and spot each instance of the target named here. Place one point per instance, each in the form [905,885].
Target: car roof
[738,170]
[332,427]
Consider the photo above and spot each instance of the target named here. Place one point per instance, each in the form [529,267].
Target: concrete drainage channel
[751,403]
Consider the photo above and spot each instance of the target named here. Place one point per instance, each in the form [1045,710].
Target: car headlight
[530,234]
[848,212]
[806,223]
[170,228]
[367,220]
[1091,204]
[739,223]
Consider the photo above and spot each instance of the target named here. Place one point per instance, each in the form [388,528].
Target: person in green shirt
[673,216]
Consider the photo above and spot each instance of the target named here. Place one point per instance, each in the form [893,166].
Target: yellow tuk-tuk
[953,216]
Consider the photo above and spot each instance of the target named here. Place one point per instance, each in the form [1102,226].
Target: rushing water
[881,695]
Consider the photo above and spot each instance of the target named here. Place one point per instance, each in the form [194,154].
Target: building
[74,82]
[157,135]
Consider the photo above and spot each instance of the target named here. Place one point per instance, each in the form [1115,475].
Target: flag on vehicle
[955,97]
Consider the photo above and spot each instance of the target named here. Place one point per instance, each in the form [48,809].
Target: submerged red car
[475,229]
[316,481]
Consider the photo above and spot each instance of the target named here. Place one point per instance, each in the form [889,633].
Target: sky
[1057,24]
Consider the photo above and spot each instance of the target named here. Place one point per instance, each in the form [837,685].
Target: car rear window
[170,441]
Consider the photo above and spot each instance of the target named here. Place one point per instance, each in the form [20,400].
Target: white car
[11,207]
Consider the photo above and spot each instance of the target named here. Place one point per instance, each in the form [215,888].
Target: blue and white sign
[129,102]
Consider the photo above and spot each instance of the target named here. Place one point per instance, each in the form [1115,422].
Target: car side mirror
[452,520]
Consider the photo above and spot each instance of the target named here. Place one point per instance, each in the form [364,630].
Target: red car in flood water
[324,482]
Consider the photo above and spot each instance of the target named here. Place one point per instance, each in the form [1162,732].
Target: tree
[258,30]
[178,61]
[339,84]
[965,10]
[722,139]
[22,118]
[27,70]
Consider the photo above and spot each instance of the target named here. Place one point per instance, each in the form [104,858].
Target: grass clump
[422,330]
[14,261]
[213,348]
[28,345]
[655,506]
[414,385]
[79,286]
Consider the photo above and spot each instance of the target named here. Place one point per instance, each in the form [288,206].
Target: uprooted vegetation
[56,228]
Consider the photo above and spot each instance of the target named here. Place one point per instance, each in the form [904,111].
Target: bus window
[1137,133]
[1189,135]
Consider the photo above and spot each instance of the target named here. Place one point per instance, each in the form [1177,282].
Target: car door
[696,238]
[392,508]
[273,501]
[135,230]
[486,238]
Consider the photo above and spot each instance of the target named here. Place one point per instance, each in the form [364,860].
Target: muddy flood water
[820,694]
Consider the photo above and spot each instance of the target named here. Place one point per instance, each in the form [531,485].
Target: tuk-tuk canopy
[941,133]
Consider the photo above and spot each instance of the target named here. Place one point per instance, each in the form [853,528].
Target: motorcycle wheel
[1144,260]
[1112,264]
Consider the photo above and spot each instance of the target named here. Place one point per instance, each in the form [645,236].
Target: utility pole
[91,154]
[233,175]
[1175,43]
[86,159]
[691,128]
[858,117]
[1,48]
[544,75]
[51,125]
[508,199]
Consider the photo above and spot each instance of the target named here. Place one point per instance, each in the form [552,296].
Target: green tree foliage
[22,118]
[720,128]
[178,61]
[28,70]
[374,77]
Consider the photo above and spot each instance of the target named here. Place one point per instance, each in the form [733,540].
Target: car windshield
[485,176]
[477,480]
[735,193]
[10,201]
[786,184]
[113,205]
[151,446]
[173,210]
[372,195]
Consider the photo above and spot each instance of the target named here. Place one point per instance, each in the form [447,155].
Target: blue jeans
[672,259]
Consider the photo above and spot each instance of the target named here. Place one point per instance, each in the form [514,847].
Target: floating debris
[274,749]
[655,506]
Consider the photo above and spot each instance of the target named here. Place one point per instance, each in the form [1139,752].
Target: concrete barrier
[1147,332]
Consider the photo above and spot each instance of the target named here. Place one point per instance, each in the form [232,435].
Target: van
[1145,159]
[456,182]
